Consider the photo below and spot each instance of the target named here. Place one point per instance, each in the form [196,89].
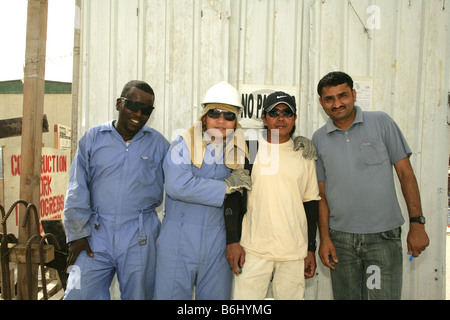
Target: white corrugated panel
[400,49]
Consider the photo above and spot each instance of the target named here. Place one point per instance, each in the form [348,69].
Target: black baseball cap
[279,97]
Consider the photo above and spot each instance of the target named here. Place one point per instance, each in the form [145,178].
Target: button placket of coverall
[142,237]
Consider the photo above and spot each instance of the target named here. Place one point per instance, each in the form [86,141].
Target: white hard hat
[223,92]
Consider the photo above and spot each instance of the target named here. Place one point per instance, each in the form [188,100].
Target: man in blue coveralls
[115,185]
[202,166]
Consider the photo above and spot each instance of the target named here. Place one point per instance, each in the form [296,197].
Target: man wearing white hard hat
[202,167]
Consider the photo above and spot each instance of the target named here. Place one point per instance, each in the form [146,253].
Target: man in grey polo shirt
[359,215]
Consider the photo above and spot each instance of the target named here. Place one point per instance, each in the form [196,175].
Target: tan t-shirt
[275,225]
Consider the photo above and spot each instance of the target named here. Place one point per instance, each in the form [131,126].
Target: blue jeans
[369,267]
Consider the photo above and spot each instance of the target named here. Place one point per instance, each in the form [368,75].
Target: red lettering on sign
[15,165]
[49,164]
[52,207]
[46,188]
[62,164]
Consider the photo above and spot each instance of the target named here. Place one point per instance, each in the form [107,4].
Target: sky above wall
[60,30]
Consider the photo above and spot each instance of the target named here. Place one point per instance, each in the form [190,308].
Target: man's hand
[310,265]
[75,247]
[417,239]
[327,253]
[235,255]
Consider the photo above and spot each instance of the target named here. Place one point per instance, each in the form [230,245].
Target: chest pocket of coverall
[148,171]
[373,152]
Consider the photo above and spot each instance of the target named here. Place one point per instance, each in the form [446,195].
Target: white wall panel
[182,47]
[405,58]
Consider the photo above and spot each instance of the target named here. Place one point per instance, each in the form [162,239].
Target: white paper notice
[363,89]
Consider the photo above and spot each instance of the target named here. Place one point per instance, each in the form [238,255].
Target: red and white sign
[55,165]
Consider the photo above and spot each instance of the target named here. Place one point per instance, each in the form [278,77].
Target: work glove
[309,150]
[238,180]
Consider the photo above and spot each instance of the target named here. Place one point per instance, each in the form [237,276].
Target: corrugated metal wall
[182,47]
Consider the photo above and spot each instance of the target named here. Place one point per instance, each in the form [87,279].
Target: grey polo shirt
[357,168]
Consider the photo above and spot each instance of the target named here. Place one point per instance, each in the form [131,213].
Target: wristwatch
[420,219]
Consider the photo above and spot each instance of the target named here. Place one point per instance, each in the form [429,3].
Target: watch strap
[420,219]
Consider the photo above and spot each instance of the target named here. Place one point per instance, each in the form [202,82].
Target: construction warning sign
[55,165]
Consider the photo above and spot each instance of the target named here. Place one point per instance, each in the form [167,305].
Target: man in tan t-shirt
[275,227]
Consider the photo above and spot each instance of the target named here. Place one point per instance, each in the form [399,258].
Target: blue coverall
[112,195]
[191,246]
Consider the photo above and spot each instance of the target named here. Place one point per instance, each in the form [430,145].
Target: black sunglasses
[276,112]
[136,106]
[215,114]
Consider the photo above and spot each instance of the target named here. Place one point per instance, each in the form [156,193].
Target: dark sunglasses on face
[276,112]
[136,106]
[215,114]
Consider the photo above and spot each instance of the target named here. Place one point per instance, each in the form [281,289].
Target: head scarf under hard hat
[235,147]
